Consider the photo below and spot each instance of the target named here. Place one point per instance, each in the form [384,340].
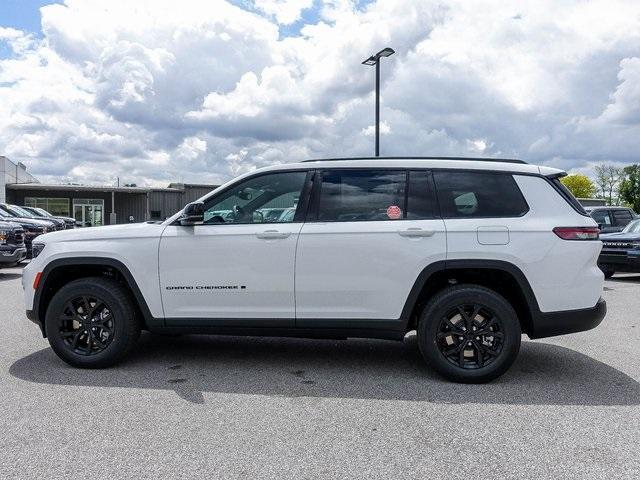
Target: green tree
[580,185]
[630,187]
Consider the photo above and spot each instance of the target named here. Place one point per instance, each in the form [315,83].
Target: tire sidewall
[120,312]
[443,304]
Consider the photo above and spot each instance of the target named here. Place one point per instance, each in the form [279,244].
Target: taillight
[577,233]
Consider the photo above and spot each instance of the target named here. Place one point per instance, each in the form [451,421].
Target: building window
[55,206]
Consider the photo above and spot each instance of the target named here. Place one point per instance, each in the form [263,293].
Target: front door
[368,235]
[237,269]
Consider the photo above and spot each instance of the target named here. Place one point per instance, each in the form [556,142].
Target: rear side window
[421,197]
[362,195]
[602,217]
[478,194]
[622,217]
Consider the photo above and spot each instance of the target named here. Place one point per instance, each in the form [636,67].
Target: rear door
[368,235]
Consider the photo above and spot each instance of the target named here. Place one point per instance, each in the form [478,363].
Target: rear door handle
[416,232]
[272,234]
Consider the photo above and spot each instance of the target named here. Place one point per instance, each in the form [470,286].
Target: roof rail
[474,159]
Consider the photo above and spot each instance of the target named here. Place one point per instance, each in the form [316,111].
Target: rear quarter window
[478,194]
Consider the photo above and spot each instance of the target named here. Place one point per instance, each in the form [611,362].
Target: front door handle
[272,234]
[416,232]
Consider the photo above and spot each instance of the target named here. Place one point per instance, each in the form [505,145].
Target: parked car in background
[12,247]
[21,212]
[621,251]
[32,228]
[611,219]
[69,222]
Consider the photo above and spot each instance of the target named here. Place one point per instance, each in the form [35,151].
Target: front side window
[478,194]
[270,198]
[362,195]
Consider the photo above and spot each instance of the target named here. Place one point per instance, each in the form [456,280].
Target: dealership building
[91,205]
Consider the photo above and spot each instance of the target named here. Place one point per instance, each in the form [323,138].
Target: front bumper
[11,256]
[550,324]
[621,261]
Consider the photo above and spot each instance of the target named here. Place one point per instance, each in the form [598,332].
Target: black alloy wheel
[470,336]
[92,322]
[87,325]
[469,333]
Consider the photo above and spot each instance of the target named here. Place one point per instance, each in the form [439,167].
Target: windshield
[632,227]
[42,212]
[20,212]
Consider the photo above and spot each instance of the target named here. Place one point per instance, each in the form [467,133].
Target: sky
[156,91]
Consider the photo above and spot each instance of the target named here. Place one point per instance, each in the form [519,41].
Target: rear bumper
[12,256]
[550,324]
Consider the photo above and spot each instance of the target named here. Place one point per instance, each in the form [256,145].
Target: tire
[608,272]
[100,339]
[447,345]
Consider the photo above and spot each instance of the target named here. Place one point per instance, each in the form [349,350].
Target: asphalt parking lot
[228,407]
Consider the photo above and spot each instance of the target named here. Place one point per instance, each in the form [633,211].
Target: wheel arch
[62,270]
[501,276]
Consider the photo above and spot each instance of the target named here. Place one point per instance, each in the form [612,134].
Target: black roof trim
[474,159]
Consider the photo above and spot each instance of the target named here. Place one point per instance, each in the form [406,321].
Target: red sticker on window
[394,212]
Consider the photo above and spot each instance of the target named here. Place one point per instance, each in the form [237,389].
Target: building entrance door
[88,213]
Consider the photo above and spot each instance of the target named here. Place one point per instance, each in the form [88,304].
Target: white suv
[471,253]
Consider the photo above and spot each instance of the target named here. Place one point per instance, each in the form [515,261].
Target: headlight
[36,249]
[3,236]
[635,244]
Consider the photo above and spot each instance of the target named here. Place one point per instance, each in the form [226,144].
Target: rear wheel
[469,334]
[91,323]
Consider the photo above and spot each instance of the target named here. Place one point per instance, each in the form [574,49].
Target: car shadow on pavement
[6,276]
[544,374]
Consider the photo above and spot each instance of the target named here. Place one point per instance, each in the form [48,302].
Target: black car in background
[32,228]
[12,247]
[621,251]
[611,219]
[44,215]
[22,213]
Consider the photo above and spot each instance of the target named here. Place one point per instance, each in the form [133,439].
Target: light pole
[375,60]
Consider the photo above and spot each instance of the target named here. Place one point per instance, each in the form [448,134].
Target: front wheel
[92,323]
[469,334]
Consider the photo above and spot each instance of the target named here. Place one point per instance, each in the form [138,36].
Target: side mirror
[193,214]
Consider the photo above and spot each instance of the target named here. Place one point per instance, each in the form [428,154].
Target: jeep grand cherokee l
[469,253]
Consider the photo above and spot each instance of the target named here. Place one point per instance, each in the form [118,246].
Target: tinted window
[263,199]
[601,217]
[622,217]
[478,194]
[420,201]
[361,195]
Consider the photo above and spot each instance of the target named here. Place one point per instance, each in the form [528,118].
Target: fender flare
[91,261]
[444,265]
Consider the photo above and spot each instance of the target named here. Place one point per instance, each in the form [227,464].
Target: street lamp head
[387,52]
[374,59]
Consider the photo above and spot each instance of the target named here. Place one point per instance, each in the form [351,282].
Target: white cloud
[370,131]
[160,90]
[285,11]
